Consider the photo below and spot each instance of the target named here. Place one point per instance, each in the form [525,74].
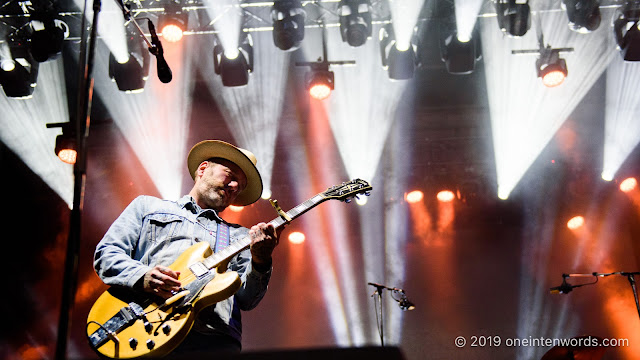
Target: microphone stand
[404,303]
[630,276]
[632,282]
[378,291]
[82,122]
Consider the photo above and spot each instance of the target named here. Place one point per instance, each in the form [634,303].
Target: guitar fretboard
[239,245]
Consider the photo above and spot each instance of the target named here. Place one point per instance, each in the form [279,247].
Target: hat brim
[208,149]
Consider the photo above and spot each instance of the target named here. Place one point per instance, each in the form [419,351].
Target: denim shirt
[152,231]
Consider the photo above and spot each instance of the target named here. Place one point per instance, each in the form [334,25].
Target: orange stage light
[414,196]
[575,222]
[320,91]
[554,78]
[445,196]
[296,237]
[68,155]
[172,33]
[628,184]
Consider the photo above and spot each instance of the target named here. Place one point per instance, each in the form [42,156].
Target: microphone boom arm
[630,276]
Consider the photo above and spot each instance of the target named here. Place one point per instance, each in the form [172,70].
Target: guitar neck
[239,245]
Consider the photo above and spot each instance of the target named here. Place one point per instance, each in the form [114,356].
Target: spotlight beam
[535,315]
[622,129]
[466,12]
[252,117]
[346,326]
[24,131]
[524,114]
[110,27]
[155,122]
[227,18]
[405,17]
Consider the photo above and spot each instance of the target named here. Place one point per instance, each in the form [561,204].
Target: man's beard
[216,199]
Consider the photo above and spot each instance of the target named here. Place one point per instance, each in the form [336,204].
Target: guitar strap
[222,236]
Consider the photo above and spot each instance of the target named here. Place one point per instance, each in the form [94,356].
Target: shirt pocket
[168,237]
[164,227]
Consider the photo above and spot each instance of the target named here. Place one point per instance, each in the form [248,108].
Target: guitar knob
[166,329]
[148,327]
[150,344]
[133,342]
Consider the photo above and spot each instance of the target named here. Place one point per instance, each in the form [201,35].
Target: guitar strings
[277,222]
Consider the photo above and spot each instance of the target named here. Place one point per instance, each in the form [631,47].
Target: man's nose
[233,184]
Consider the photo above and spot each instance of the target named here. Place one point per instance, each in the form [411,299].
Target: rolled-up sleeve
[114,256]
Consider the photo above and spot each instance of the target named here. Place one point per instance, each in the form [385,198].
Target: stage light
[266,194]
[355,21]
[236,208]
[400,63]
[445,196]
[173,21]
[457,35]
[172,33]
[47,36]
[361,200]
[320,83]
[460,57]
[7,65]
[18,75]
[288,24]
[607,175]
[628,184]
[551,67]
[18,68]
[414,196]
[626,30]
[296,237]
[66,147]
[514,16]
[132,75]
[584,15]
[575,222]
[234,65]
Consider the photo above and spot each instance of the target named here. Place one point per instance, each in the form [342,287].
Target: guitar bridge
[116,323]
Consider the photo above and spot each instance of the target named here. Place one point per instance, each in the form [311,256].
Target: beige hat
[245,159]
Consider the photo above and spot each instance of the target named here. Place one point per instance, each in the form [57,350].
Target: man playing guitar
[151,233]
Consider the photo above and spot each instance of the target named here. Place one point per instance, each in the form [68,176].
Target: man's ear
[201,168]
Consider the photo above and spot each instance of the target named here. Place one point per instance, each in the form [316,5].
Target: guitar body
[166,326]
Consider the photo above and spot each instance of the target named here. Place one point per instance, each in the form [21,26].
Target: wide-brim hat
[245,160]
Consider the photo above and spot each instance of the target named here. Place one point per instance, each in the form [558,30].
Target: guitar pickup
[199,269]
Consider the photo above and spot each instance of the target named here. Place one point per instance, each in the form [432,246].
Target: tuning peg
[367,193]
[347,200]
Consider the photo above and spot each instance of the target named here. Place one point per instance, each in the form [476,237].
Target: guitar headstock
[347,190]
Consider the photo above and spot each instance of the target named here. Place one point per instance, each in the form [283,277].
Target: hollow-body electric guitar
[124,323]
